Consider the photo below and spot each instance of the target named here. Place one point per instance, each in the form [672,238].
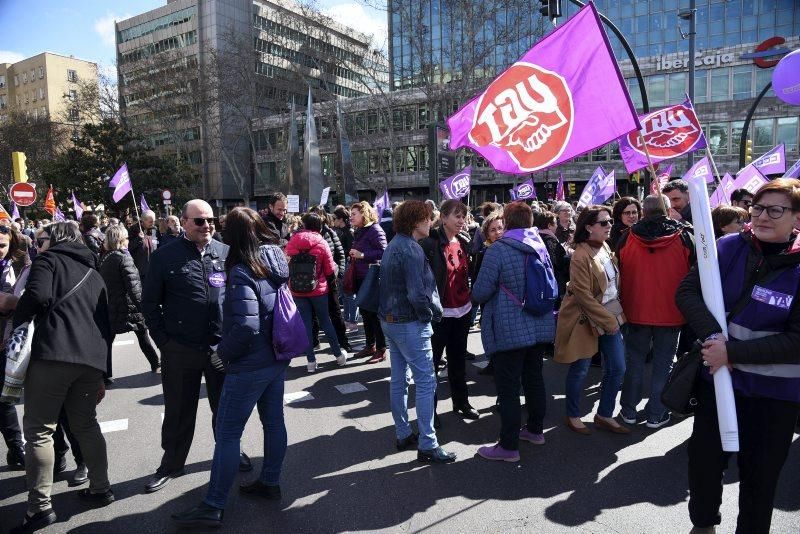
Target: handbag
[18,350]
[349,281]
[368,297]
[289,336]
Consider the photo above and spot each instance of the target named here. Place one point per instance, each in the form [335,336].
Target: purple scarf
[530,237]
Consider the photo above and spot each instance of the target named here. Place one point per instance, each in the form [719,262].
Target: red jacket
[314,243]
[654,257]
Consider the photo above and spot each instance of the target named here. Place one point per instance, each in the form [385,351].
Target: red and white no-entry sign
[23,193]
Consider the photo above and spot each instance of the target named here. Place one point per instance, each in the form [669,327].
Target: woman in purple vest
[760,270]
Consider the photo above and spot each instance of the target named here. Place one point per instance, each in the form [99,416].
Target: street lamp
[691,16]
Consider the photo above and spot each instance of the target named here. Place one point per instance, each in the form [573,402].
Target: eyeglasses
[774,212]
[200,221]
[604,223]
[5,230]
[40,241]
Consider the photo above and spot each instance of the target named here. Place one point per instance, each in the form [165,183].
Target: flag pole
[136,209]
[653,175]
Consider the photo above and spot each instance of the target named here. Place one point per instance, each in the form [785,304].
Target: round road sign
[23,193]
[166,194]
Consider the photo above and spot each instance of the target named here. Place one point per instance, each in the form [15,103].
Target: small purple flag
[564,97]
[121,183]
[15,211]
[77,206]
[599,188]
[512,193]
[773,162]
[59,217]
[458,185]
[794,171]
[701,169]
[722,194]
[525,190]
[668,133]
[749,178]
[560,187]
[381,203]
[143,203]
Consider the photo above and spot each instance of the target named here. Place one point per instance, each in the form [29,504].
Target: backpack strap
[518,302]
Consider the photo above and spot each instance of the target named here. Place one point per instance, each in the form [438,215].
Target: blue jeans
[348,301]
[410,348]
[240,393]
[613,351]
[320,306]
[637,345]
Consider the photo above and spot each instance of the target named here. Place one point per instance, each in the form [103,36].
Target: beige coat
[581,311]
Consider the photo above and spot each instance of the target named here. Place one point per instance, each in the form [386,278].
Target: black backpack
[303,272]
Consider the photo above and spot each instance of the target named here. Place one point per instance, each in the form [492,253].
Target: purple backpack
[289,338]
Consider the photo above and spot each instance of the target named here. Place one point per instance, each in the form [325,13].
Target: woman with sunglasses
[589,320]
[760,270]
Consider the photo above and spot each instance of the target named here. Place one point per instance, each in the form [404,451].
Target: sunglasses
[5,230]
[605,223]
[200,221]
[40,241]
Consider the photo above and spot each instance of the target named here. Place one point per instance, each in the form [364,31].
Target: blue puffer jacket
[246,343]
[504,326]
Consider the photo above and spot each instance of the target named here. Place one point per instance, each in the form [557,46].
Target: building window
[73,95]
[74,116]
[27,97]
[44,112]
[700,87]
[787,133]
[33,74]
[742,82]
[72,76]
[41,93]
[16,80]
[720,86]
[35,114]
[656,91]
[41,73]
[718,138]
[2,81]
[762,135]
[24,77]
[677,87]
[3,102]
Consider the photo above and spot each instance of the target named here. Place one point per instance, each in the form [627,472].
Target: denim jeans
[511,367]
[320,306]
[613,351]
[348,300]
[410,347]
[637,345]
[241,392]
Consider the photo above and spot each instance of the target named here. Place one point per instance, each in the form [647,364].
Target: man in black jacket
[275,216]
[144,240]
[181,302]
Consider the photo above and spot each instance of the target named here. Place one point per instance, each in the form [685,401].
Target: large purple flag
[599,188]
[722,194]
[701,169]
[560,187]
[667,133]
[794,171]
[381,203]
[749,178]
[77,206]
[121,183]
[525,190]
[773,162]
[458,185]
[564,97]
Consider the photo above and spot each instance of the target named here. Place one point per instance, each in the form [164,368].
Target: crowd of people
[615,286]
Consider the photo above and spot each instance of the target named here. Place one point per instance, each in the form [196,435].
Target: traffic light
[20,168]
[571,188]
[550,8]
[634,178]
[748,151]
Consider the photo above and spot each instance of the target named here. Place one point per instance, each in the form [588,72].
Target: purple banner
[381,203]
[15,211]
[773,162]
[564,97]
[59,216]
[701,169]
[458,185]
[722,194]
[794,171]
[749,178]
[143,203]
[667,133]
[560,187]
[525,190]
[599,188]
[77,206]
[121,182]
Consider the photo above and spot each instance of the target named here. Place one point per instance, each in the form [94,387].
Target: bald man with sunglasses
[181,302]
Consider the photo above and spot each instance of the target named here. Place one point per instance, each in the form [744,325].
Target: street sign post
[23,193]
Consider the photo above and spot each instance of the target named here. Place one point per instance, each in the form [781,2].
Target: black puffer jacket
[124,291]
[78,330]
[94,239]
[335,245]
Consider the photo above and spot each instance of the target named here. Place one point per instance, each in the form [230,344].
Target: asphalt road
[342,473]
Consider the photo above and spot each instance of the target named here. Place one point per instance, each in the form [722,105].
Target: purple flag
[560,187]
[143,204]
[749,178]
[525,190]
[599,188]
[773,162]
[512,193]
[122,183]
[381,203]
[667,133]
[564,97]
[77,206]
[722,194]
[15,211]
[701,169]
[59,217]
[458,185]
[794,171]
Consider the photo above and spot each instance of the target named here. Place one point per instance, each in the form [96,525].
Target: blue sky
[85,28]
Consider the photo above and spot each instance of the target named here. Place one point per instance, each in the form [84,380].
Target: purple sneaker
[496,452]
[526,435]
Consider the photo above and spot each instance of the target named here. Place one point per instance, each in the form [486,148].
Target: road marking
[354,387]
[113,426]
[123,342]
[297,396]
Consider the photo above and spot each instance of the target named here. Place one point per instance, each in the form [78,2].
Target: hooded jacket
[248,311]
[313,243]
[78,330]
[504,324]
[653,259]
[124,291]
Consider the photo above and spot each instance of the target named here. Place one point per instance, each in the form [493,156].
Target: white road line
[354,387]
[123,342]
[297,396]
[113,426]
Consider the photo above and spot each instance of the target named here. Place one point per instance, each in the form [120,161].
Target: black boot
[15,459]
[201,515]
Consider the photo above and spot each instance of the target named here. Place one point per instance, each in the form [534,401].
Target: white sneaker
[311,367]
[342,359]
[628,420]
